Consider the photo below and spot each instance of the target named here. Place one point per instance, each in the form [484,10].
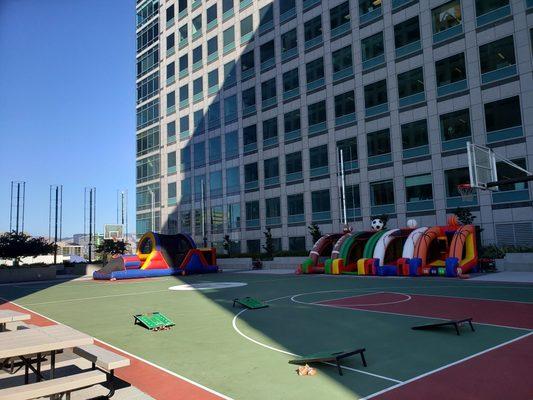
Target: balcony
[353,213]
[345,119]
[370,16]
[268,64]
[457,201]
[510,196]
[380,159]
[252,185]
[171,139]
[171,110]
[247,38]
[342,74]
[171,201]
[293,135]
[195,4]
[270,142]
[185,135]
[183,43]
[340,30]
[321,216]
[399,3]
[229,47]
[198,97]
[315,84]
[171,80]
[376,110]
[448,33]
[196,35]
[382,209]
[493,15]
[184,103]
[294,176]
[351,165]
[454,144]
[313,42]
[230,117]
[196,66]
[272,181]
[170,23]
[408,49]
[287,15]
[247,73]
[212,24]
[421,205]
[227,15]
[171,51]
[212,90]
[231,190]
[245,3]
[373,62]
[249,110]
[290,94]
[267,103]
[319,172]
[183,73]
[171,170]
[505,134]
[416,151]
[266,26]
[182,14]
[270,221]
[307,4]
[250,147]
[212,57]
[497,74]
[288,54]
[317,129]
[252,223]
[453,87]
[296,218]
[412,99]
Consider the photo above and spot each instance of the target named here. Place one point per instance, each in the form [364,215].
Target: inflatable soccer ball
[412,223]
[377,224]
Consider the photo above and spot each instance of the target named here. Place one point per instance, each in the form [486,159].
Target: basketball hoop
[466,191]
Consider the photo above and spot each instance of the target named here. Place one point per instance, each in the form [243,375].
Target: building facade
[243,107]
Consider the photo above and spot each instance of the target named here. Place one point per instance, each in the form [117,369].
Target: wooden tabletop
[12,316]
[41,340]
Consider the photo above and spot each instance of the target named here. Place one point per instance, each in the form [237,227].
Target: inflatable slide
[346,252]
[160,255]
[322,250]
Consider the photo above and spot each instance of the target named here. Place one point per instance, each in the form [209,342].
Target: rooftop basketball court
[220,351]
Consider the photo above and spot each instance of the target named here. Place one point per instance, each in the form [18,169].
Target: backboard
[482,166]
[114,231]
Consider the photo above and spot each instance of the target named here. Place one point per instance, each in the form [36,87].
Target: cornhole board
[326,356]
[453,322]
[250,303]
[153,321]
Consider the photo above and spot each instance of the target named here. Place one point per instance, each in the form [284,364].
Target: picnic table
[40,340]
[11,316]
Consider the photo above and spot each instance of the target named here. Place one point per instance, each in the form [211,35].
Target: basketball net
[466,191]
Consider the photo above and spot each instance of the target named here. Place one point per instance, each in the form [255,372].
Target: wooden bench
[103,359]
[453,322]
[64,385]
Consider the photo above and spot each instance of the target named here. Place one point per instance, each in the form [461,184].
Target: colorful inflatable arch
[463,255]
[160,255]
[350,249]
[323,248]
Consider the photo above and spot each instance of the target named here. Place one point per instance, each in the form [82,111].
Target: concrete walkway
[514,277]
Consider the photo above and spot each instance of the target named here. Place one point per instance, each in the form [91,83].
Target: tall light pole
[89,210]
[152,207]
[17,206]
[122,209]
[56,213]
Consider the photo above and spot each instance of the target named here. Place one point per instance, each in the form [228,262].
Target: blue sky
[67,106]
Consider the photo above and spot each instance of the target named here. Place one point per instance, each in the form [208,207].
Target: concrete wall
[517,262]
[246,263]
[26,274]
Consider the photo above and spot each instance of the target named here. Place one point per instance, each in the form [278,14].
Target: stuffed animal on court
[306,370]
[377,224]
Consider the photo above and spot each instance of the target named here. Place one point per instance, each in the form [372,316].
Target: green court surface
[244,353]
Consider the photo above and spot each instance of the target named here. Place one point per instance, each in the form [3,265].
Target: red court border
[150,379]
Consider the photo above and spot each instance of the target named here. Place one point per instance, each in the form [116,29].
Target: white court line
[96,297]
[473,298]
[212,391]
[234,324]
[446,366]
[348,297]
[369,304]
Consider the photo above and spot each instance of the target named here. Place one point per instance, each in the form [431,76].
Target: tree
[464,215]
[227,245]
[314,230]
[269,243]
[111,247]
[14,246]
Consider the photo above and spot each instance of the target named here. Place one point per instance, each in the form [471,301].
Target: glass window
[147,113]
[268,89]
[211,13]
[171,161]
[345,104]
[185,221]
[414,134]
[171,131]
[406,32]
[247,61]
[249,135]
[234,216]
[486,6]
[197,86]
[212,46]
[182,5]
[266,51]
[199,186]
[320,201]
[232,144]
[199,123]
[451,69]
[266,15]
[229,73]
[286,5]
[248,97]
[184,92]
[148,61]
[199,154]
[372,46]
[270,128]
[227,5]
[170,13]
[171,99]
[197,25]
[233,184]
[184,124]
[295,204]
[316,113]
[505,171]
[252,210]
[184,63]
[217,219]
[215,183]
[496,55]
[297,243]
[197,55]
[378,143]
[293,162]
[289,40]
[148,35]
[253,246]
[313,28]
[376,93]
[342,59]
[247,25]
[339,15]
[185,158]
[454,177]
[271,166]
[148,87]
[381,193]
[410,82]
[455,125]
[291,80]
[419,188]
[273,207]
[215,149]
[251,173]
[349,149]
[318,156]
[291,121]
[366,6]
[186,190]
[353,198]
[503,114]
[228,36]
[171,70]
[446,16]
[212,78]
[183,33]
[315,70]
[230,109]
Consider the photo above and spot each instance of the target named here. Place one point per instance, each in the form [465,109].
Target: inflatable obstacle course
[154,321]
[160,255]
[250,303]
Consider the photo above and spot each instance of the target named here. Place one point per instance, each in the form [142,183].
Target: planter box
[234,263]
[27,273]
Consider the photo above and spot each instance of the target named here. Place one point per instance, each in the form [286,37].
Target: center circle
[207,286]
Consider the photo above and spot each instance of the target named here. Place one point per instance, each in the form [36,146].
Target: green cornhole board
[153,321]
[328,356]
[250,303]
